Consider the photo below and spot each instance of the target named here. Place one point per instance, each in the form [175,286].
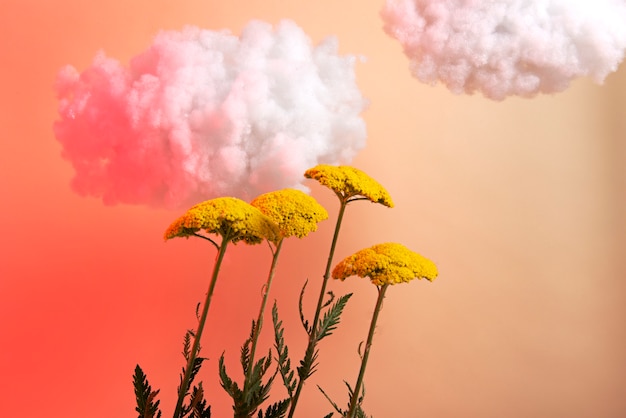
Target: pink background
[520,203]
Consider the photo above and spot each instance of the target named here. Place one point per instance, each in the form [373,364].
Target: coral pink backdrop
[521,203]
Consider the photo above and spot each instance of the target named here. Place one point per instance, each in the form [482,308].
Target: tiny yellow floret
[388,263]
[349,182]
[295,212]
[232,218]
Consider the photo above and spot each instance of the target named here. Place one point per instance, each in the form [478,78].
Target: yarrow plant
[271,218]
[385,264]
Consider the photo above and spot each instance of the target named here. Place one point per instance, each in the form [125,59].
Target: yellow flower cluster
[388,263]
[295,212]
[232,218]
[349,182]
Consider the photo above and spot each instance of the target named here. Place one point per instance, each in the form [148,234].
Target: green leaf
[245,351]
[246,404]
[359,410]
[197,403]
[187,344]
[331,402]
[227,383]
[360,413]
[282,351]
[308,364]
[185,409]
[255,386]
[276,410]
[308,328]
[330,320]
[331,297]
[147,405]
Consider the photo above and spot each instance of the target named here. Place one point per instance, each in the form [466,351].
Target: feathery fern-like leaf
[257,392]
[227,383]
[194,371]
[147,405]
[308,365]
[331,318]
[187,344]
[359,410]
[197,404]
[275,410]
[284,363]
[246,350]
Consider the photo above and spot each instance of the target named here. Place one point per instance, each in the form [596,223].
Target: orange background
[520,203]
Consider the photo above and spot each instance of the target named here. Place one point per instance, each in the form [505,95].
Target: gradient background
[520,203]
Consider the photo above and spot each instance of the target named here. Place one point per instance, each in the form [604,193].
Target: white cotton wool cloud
[508,47]
[203,113]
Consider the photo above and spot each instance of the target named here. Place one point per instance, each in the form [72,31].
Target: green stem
[259,321]
[184,384]
[320,301]
[366,353]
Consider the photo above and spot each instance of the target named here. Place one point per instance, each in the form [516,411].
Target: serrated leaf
[276,410]
[308,364]
[197,363]
[147,405]
[244,358]
[359,413]
[227,383]
[187,344]
[197,403]
[331,318]
[331,402]
[282,351]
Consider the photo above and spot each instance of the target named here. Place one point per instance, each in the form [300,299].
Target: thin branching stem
[184,384]
[259,321]
[370,336]
[313,335]
[208,239]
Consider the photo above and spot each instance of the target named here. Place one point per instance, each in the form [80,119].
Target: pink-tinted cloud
[508,47]
[204,113]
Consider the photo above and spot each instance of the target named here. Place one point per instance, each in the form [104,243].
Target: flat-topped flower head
[388,263]
[295,212]
[349,182]
[232,218]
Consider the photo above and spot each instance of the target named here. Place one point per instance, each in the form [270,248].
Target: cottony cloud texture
[508,47]
[204,113]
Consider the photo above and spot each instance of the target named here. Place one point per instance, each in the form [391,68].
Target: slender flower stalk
[312,336]
[234,220]
[366,353]
[184,384]
[349,184]
[295,214]
[259,321]
[385,265]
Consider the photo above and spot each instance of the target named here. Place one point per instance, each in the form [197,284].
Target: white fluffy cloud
[202,114]
[508,47]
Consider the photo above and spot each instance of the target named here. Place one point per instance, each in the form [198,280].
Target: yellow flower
[388,263]
[232,218]
[349,182]
[295,212]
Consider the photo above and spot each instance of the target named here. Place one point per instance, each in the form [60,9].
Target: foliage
[272,217]
[147,405]
[247,400]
